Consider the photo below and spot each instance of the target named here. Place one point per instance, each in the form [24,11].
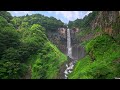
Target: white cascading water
[69,66]
[69,43]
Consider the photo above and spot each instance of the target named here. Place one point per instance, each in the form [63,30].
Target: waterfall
[70,65]
[72,59]
[69,43]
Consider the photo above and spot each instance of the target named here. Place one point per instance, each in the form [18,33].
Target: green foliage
[80,68]
[101,41]
[24,25]
[32,41]
[28,47]
[8,36]
[85,22]
[6,15]
[11,69]
[76,23]
[88,19]
[16,22]
[49,23]
[38,69]
[3,22]
[10,54]
[48,62]
[106,53]
[24,52]
[37,27]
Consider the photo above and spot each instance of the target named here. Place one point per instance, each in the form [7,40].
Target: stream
[69,68]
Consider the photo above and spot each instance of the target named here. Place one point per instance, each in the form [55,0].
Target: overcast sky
[64,16]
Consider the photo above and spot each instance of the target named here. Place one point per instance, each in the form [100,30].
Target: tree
[9,37]
[3,22]
[6,15]
[10,54]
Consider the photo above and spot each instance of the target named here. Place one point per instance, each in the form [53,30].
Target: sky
[64,16]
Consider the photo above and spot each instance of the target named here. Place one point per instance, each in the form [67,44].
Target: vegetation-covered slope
[101,41]
[47,65]
[101,62]
[27,52]
[49,23]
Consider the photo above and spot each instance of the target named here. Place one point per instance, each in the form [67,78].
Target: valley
[41,47]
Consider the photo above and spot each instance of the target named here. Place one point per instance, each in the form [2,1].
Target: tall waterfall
[69,43]
[70,65]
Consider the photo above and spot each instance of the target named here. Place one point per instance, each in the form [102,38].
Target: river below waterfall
[68,67]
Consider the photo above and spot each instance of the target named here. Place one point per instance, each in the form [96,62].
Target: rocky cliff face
[59,39]
[62,40]
[78,51]
[74,39]
[107,21]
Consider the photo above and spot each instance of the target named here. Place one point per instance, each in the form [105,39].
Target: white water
[117,78]
[68,69]
[73,60]
[69,66]
[69,43]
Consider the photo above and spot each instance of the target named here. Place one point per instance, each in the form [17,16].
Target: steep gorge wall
[59,38]
[93,25]
[107,20]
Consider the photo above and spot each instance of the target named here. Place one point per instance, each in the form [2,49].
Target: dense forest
[30,46]
[25,51]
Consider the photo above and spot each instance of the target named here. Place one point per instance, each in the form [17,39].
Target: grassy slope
[106,64]
[47,65]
